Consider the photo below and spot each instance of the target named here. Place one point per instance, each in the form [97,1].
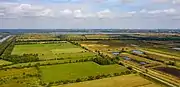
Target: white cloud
[78,14]
[161,1]
[104,13]
[168,11]
[2,14]
[132,12]
[143,11]
[126,1]
[176,1]
[86,14]
[155,11]
[66,12]
[46,12]
[171,10]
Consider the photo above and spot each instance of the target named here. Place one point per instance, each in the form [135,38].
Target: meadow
[108,46]
[63,50]
[17,72]
[35,36]
[77,70]
[3,62]
[22,82]
[120,81]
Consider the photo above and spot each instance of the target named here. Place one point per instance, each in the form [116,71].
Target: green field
[51,51]
[35,36]
[3,62]
[76,70]
[120,81]
[14,72]
[22,82]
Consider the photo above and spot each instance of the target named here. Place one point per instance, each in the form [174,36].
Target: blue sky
[50,14]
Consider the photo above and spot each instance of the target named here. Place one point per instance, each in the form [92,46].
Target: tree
[129,67]
[91,77]
[78,80]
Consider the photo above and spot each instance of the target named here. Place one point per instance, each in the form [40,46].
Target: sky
[89,14]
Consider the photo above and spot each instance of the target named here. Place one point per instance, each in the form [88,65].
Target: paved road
[5,38]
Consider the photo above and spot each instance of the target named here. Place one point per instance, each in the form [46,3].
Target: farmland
[11,72]
[121,81]
[52,51]
[35,36]
[77,70]
[88,60]
[22,82]
[3,62]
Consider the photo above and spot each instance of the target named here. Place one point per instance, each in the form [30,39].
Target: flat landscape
[120,81]
[89,60]
[77,70]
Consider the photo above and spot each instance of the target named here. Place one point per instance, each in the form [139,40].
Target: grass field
[3,62]
[22,82]
[14,72]
[36,36]
[76,70]
[51,51]
[120,81]
[137,57]
[105,46]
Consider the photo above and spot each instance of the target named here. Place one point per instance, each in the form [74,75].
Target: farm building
[115,53]
[142,63]
[126,58]
[137,52]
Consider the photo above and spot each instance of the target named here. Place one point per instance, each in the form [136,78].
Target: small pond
[176,49]
[169,70]
[137,52]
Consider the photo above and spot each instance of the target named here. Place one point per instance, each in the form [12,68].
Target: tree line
[44,64]
[104,61]
[46,42]
[21,58]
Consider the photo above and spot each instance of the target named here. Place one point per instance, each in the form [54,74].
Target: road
[154,75]
[5,38]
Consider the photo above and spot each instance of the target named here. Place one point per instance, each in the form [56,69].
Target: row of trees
[21,58]
[46,63]
[155,38]
[39,40]
[104,61]
[46,42]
